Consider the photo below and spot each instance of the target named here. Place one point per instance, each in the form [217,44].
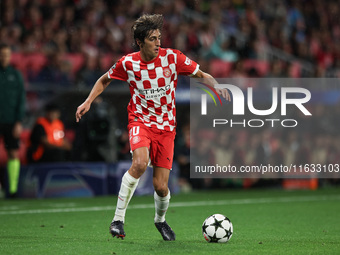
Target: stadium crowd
[70,43]
[73,41]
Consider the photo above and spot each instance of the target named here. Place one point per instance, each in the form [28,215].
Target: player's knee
[139,166]
[161,188]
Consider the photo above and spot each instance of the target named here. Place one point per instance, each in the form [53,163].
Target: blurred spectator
[47,140]
[292,145]
[56,72]
[12,110]
[223,153]
[225,49]
[255,154]
[89,73]
[277,70]
[14,35]
[238,70]
[320,149]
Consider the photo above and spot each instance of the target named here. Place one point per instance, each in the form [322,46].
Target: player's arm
[97,89]
[208,79]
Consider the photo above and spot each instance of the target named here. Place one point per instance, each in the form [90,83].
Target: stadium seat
[262,67]
[220,68]
[76,59]
[19,61]
[295,70]
[35,62]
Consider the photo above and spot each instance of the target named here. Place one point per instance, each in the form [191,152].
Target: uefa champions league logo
[239,102]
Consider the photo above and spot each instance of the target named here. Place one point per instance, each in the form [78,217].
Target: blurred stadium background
[62,46]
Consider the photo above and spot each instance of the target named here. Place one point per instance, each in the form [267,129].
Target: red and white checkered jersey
[153,85]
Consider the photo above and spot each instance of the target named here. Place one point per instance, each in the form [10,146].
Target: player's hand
[82,109]
[224,93]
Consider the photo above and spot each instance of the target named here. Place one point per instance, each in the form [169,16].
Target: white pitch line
[181,204]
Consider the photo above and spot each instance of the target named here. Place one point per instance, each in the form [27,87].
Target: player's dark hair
[144,25]
[4,46]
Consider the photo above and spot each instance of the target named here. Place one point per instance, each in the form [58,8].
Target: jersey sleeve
[185,66]
[118,71]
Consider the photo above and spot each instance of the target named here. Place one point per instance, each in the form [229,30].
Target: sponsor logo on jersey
[154,92]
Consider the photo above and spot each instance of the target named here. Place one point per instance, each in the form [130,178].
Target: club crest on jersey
[167,72]
[135,139]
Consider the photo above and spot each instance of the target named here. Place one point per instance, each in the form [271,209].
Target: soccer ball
[217,228]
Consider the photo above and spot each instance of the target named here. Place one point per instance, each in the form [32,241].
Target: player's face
[150,48]
[5,57]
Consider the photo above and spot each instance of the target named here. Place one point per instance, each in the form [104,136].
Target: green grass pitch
[265,222]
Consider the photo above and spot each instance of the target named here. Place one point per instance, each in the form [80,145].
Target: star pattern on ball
[211,229]
[228,233]
[217,224]
[214,239]
[204,227]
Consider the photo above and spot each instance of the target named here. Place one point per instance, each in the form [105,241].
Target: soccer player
[12,111]
[152,77]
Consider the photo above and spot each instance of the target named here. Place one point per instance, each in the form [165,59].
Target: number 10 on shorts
[133,136]
[134,130]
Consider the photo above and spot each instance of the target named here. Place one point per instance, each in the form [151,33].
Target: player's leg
[13,163]
[162,192]
[161,153]
[130,180]
[128,186]
[162,200]
[13,171]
